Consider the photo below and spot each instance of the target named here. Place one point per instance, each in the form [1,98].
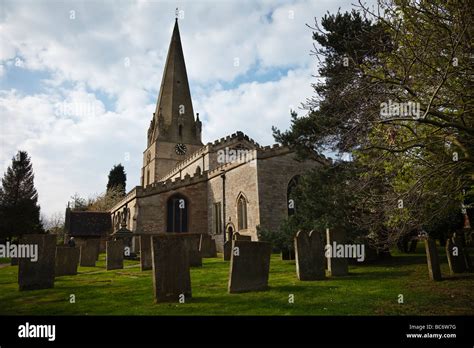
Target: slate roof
[87,223]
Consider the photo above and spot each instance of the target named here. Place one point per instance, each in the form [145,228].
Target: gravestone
[287,254]
[227,250]
[432,259]
[207,246]
[468,261]
[39,274]
[67,260]
[145,253]
[96,243]
[192,246]
[309,254]
[459,241]
[249,266]
[413,245]
[88,253]
[171,275]
[114,258]
[455,256]
[337,266]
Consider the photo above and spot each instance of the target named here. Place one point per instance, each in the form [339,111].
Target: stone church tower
[174,132]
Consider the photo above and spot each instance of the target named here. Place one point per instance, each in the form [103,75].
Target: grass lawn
[368,290]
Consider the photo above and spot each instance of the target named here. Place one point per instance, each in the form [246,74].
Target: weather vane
[176,13]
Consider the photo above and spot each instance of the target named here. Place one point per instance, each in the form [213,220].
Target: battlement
[172,184]
[237,135]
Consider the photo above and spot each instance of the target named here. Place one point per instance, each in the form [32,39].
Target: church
[230,185]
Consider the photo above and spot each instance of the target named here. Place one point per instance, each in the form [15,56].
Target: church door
[177,214]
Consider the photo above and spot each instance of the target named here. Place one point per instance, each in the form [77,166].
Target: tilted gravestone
[192,246]
[67,260]
[114,258]
[145,253]
[337,266]
[309,253]
[455,255]
[249,266]
[171,274]
[39,274]
[207,246]
[227,250]
[432,259]
[88,253]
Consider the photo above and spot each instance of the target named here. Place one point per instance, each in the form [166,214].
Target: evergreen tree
[117,179]
[19,209]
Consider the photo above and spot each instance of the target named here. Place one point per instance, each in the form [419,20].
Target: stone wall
[274,174]
[153,209]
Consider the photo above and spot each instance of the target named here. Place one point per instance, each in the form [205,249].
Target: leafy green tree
[417,152]
[19,209]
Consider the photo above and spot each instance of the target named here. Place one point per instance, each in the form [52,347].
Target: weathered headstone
[39,274]
[96,243]
[413,245]
[192,246]
[207,246]
[171,275]
[337,266]
[67,260]
[309,253]
[227,250]
[114,258]
[460,242]
[249,266]
[432,259]
[468,261]
[88,253]
[455,255]
[287,254]
[145,253]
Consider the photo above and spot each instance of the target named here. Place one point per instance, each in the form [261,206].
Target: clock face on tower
[180,149]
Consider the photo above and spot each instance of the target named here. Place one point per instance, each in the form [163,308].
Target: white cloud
[118,50]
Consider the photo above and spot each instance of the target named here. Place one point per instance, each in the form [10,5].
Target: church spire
[174,108]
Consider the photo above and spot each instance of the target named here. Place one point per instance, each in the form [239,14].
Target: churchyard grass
[368,290]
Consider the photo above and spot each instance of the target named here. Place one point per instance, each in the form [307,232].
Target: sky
[79,79]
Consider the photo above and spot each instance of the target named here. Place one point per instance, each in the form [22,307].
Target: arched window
[242,212]
[177,214]
[198,170]
[290,199]
[180,130]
